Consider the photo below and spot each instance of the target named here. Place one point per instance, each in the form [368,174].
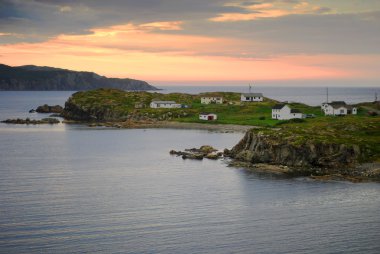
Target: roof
[211,96]
[340,104]
[337,104]
[164,102]
[252,94]
[204,113]
[295,111]
[278,106]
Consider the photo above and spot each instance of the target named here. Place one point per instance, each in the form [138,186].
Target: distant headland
[42,78]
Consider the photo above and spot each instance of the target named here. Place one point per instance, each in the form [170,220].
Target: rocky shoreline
[28,121]
[268,153]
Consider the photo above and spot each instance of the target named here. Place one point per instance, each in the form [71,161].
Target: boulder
[49,109]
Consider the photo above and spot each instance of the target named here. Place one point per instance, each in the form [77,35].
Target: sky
[199,42]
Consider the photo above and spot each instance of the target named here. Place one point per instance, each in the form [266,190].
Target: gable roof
[278,106]
[295,111]
[252,94]
[340,104]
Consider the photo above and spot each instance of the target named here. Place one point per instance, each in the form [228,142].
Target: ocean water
[75,189]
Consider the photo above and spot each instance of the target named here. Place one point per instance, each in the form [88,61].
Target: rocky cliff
[35,78]
[306,158]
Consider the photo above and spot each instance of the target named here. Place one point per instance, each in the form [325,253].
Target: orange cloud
[138,52]
[170,25]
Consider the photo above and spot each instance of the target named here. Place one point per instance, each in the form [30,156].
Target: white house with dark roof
[284,112]
[252,97]
[208,116]
[338,108]
[164,104]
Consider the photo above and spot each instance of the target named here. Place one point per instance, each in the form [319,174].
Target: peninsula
[38,78]
[316,146]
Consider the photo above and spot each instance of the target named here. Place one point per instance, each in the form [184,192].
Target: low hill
[41,78]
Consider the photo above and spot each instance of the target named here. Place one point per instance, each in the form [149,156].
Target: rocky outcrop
[308,158]
[258,147]
[33,122]
[205,151]
[98,113]
[49,109]
[36,78]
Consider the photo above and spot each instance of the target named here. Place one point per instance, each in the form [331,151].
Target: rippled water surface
[74,189]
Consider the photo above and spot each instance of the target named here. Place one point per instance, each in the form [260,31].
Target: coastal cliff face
[78,112]
[257,147]
[35,78]
[308,158]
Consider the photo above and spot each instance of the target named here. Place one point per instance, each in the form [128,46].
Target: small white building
[251,97]
[164,104]
[284,112]
[212,100]
[208,116]
[338,108]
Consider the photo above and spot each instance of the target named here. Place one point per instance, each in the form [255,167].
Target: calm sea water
[74,189]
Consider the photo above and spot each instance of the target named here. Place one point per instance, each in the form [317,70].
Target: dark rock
[29,121]
[192,156]
[32,111]
[198,153]
[49,109]
[55,115]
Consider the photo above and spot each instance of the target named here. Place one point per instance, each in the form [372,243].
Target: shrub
[262,118]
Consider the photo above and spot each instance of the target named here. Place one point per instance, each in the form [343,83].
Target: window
[342,111]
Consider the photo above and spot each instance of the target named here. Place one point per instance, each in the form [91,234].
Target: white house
[164,104]
[338,108]
[284,112]
[208,116]
[210,100]
[251,97]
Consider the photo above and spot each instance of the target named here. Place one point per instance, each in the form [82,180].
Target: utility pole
[375,96]
[327,94]
[250,88]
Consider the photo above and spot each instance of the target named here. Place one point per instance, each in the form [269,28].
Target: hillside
[37,78]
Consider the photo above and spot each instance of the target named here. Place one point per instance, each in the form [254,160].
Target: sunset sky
[300,42]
